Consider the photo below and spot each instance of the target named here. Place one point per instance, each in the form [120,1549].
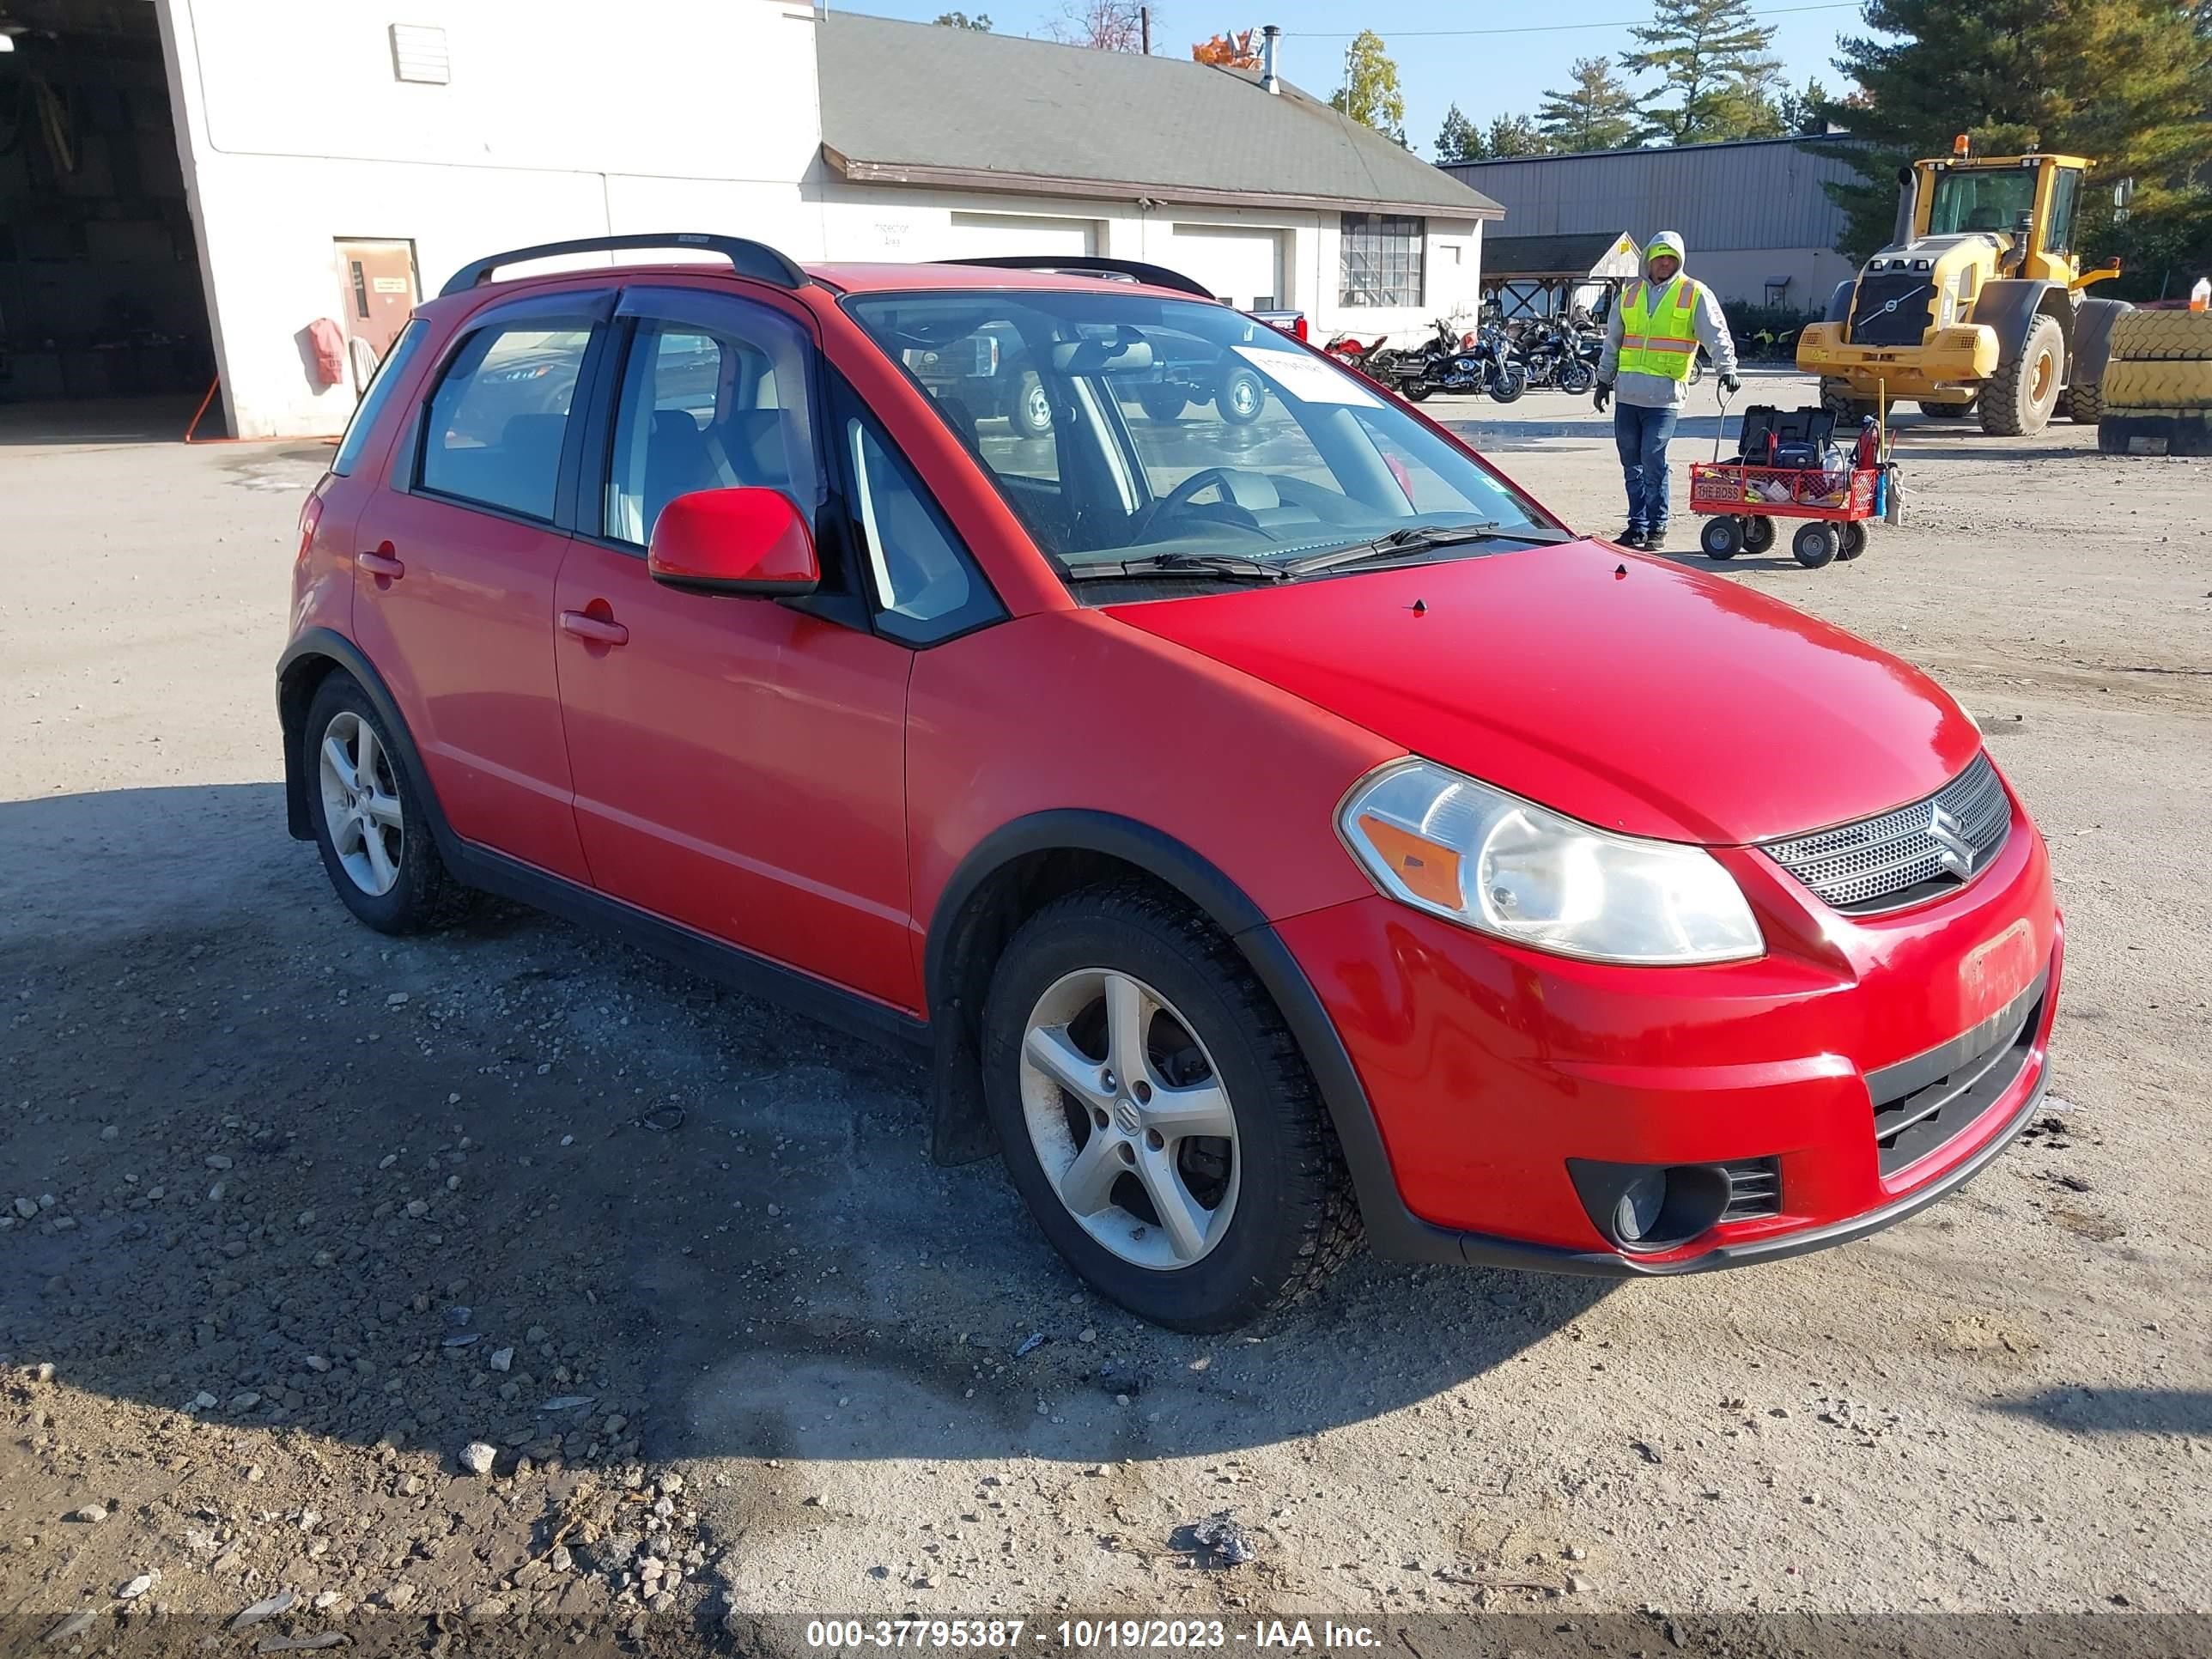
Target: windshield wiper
[1416,538]
[1231,565]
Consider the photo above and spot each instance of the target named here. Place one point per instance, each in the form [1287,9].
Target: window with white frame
[1381,262]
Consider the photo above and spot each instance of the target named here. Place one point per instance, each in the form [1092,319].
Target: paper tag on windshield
[1309,380]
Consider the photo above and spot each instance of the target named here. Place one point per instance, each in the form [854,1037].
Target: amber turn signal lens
[1429,871]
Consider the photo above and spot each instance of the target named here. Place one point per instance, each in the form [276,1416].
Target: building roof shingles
[920,104]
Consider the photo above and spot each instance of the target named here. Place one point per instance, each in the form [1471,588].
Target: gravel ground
[509,1278]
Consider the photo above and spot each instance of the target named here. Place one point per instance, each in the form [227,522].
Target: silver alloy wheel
[1244,395]
[1037,407]
[361,804]
[1129,1118]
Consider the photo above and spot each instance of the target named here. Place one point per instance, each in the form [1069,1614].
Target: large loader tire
[2151,337]
[2166,383]
[2020,396]
[2084,405]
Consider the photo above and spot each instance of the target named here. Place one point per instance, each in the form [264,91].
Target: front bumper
[1950,359]
[1487,1069]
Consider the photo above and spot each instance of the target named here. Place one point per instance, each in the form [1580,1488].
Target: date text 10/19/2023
[1017,1635]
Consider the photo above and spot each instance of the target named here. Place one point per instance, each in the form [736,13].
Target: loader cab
[2032,201]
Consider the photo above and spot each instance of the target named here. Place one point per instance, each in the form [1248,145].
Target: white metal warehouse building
[336,163]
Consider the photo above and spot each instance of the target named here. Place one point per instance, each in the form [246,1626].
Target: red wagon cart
[1740,501]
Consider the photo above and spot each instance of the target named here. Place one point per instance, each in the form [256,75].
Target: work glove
[1604,395]
[1731,384]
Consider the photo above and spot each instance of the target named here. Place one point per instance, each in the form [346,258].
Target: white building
[340,162]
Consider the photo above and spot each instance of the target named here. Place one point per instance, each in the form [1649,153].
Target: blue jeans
[1641,436]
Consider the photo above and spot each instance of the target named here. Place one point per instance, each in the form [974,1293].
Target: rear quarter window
[388,375]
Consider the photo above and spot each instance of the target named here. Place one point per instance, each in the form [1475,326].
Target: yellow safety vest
[1664,343]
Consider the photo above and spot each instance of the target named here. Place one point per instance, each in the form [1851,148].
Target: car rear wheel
[1241,397]
[373,835]
[1156,1114]
[1031,413]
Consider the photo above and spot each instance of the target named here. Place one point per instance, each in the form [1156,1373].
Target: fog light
[1645,1207]
[1637,1210]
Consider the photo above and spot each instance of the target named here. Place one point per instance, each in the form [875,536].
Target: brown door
[379,281]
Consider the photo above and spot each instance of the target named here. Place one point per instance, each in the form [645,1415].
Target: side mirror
[744,542]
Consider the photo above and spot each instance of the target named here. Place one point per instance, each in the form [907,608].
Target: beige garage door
[1244,267]
[975,234]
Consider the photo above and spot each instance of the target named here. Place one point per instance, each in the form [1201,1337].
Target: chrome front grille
[1907,855]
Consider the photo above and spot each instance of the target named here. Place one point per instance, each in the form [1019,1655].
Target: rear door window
[389,373]
[500,416]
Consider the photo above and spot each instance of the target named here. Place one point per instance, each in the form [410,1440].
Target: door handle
[381,563]
[600,630]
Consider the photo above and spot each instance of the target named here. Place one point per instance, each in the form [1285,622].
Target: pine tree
[1514,135]
[1715,71]
[1596,112]
[1461,140]
[2127,83]
[1370,95]
[1806,112]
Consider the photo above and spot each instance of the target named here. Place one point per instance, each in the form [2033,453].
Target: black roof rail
[1090,265]
[754,260]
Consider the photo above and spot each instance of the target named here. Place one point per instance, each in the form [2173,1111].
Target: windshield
[1992,199]
[1125,429]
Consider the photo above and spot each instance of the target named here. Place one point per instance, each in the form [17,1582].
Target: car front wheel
[1156,1114]
[373,837]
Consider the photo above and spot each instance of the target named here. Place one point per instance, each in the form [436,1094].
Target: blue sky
[1486,74]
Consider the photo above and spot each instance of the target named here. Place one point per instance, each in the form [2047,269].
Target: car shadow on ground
[2084,1410]
[512,1183]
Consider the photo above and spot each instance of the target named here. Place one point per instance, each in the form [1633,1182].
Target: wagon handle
[1720,392]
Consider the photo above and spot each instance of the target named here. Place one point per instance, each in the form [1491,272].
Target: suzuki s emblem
[1957,853]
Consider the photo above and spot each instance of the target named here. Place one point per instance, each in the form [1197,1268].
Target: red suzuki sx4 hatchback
[1270,821]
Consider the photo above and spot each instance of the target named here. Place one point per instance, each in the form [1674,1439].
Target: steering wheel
[1179,500]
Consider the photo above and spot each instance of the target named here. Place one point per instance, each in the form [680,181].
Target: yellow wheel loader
[1977,303]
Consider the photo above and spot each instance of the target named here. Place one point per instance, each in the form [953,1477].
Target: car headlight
[1476,856]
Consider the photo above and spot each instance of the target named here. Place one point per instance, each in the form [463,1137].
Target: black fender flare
[2091,348]
[294,690]
[2010,305]
[959,1132]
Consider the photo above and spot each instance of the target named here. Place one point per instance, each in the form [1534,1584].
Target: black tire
[1576,378]
[1243,394]
[1757,533]
[1815,543]
[1029,410]
[1295,1220]
[2019,399]
[2085,404]
[423,896]
[1852,539]
[1508,384]
[1416,392]
[1946,412]
[1836,397]
[1162,402]
[1722,537]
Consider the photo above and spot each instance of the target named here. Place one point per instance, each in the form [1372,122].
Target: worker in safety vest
[1651,343]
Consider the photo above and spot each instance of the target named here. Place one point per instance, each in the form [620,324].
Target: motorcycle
[1552,355]
[1470,364]
[1367,359]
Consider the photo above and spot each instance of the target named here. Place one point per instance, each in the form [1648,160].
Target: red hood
[1663,702]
